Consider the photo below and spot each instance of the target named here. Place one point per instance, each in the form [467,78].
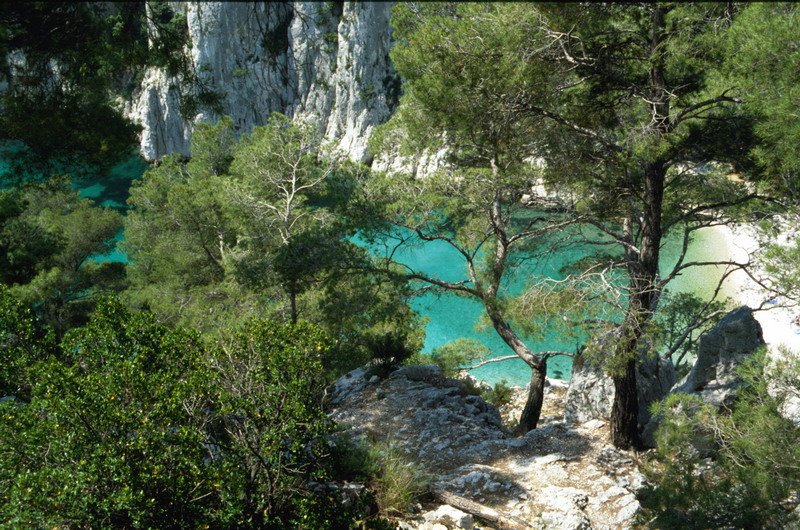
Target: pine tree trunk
[643,268]
[293,305]
[533,406]
[643,272]
[625,411]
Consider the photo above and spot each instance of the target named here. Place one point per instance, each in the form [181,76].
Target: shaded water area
[109,188]
[449,316]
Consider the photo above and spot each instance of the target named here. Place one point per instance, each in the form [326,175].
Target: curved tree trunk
[533,406]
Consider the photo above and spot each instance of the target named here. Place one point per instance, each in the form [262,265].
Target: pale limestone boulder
[450,517]
[591,392]
[721,350]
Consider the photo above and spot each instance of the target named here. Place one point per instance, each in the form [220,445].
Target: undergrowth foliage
[500,394]
[397,481]
[725,470]
[130,424]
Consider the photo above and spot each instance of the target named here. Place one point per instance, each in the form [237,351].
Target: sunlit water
[449,317]
[452,317]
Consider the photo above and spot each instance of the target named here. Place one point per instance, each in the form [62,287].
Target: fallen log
[502,521]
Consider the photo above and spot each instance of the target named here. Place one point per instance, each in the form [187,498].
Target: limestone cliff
[324,61]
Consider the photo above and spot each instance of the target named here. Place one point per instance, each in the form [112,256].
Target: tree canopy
[614,105]
[260,226]
[48,238]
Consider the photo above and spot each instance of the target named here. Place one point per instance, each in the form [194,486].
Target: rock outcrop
[557,476]
[591,391]
[721,350]
[713,376]
[419,402]
[448,517]
[324,61]
[157,110]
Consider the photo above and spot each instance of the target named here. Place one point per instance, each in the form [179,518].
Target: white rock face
[302,59]
[364,76]
[157,110]
[591,391]
[722,349]
[449,516]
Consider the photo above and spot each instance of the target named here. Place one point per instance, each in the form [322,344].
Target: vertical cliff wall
[325,61]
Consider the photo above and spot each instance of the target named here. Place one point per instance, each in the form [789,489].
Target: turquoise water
[449,316]
[116,254]
[107,188]
[112,188]
[452,316]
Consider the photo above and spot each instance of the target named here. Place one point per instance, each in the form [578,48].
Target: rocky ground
[560,475]
[563,474]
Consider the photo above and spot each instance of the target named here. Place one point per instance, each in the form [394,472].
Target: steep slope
[560,476]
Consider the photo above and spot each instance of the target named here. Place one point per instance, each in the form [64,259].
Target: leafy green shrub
[378,523]
[267,390]
[21,346]
[112,435]
[350,460]
[136,425]
[500,394]
[389,350]
[713,470]
[417,358]
[470,387]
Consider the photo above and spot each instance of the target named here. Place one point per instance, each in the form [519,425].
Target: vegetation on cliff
[187,386]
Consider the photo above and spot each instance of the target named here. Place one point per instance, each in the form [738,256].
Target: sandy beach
[775,317]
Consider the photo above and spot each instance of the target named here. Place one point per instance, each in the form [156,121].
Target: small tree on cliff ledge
[460,88]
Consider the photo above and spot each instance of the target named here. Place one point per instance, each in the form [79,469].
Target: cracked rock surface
[560,475]
[322,61]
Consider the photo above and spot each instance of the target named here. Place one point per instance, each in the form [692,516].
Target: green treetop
[260,226]
[615,101]
[48,236]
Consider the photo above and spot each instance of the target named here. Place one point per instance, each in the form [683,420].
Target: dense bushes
[128,423]
[717,470]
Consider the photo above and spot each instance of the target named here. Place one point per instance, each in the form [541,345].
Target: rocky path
[558,476]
